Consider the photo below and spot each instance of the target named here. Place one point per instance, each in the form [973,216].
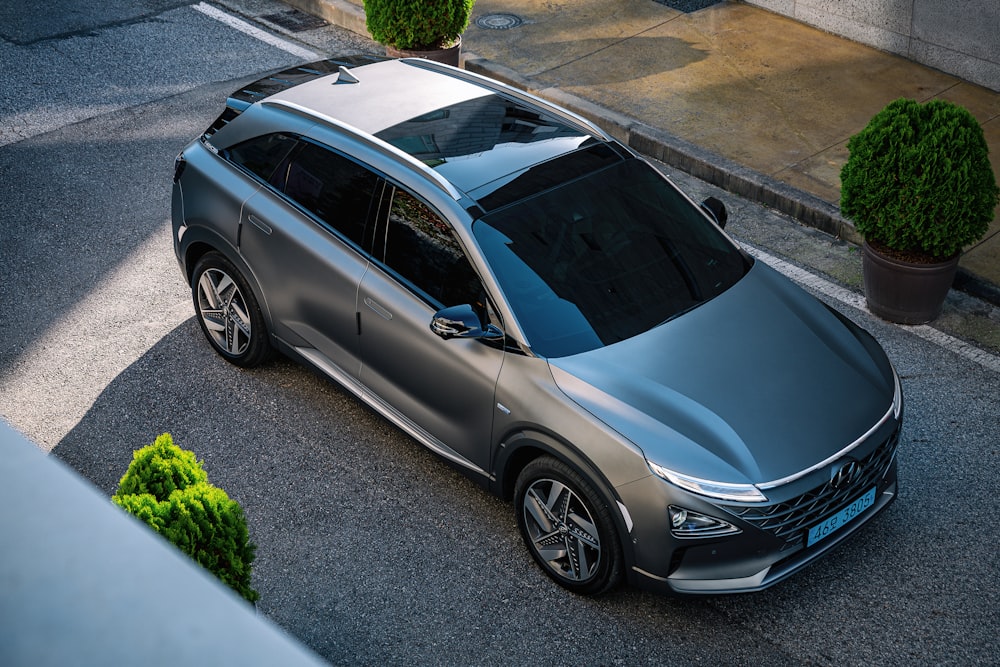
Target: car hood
[754,386]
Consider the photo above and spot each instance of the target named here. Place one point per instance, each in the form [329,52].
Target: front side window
[420,248]
[605,257]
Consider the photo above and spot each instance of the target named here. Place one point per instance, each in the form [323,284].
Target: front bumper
[772,545]
[700,567]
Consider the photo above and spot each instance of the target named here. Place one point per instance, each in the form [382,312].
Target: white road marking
[854,300]
[257,33]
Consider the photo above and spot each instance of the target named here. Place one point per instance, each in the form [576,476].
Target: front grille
[789,520]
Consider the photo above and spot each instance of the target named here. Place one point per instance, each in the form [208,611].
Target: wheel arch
[199,242]
[523,447]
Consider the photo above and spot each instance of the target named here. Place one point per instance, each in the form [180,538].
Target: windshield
[604,258]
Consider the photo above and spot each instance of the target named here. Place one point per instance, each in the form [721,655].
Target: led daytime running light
[897,396]
[720,490]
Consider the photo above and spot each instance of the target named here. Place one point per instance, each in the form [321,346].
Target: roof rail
[499,87]
[383,148]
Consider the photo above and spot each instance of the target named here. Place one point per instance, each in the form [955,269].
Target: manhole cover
[293,20]
[499,21]
[688,6]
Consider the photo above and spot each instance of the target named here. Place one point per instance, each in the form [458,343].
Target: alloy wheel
[562,530]
[224,312]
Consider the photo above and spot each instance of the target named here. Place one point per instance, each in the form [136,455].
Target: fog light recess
[688,523]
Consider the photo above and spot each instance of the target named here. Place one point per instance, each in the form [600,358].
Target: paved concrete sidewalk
[735,95]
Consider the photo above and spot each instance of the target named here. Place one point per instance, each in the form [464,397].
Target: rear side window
[262,156]
[323,182]
[335,189]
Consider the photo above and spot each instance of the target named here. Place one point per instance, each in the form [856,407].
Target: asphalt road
[371,550]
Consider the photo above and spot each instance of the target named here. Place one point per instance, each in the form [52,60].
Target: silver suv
[541,307]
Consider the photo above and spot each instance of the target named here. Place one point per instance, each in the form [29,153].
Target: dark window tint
[421,249]
[262,155]
[337,190]
[605,258]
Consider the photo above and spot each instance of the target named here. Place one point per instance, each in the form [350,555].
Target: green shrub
[417,24]
[193,515]
[160,469]
[918,179]
[144,507]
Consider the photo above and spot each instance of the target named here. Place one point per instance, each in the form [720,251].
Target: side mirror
[462,322]
[717,210]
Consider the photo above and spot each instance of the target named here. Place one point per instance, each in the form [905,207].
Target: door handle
[382,312]
[259,224]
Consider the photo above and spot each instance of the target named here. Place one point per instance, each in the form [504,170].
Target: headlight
[747,493]
[688,523]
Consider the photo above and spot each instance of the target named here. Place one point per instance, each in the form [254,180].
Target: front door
[444,388]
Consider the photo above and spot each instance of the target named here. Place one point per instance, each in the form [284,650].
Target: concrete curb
[338,12]
[703,164]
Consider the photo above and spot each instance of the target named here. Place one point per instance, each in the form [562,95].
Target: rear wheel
[567,528]
[228,312]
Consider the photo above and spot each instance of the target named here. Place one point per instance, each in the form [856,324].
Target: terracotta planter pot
[449,56]
[903,292]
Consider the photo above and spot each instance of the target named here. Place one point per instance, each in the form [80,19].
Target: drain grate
[499,21]
[688,6]
[294,20]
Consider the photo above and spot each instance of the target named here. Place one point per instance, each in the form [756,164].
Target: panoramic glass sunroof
[483,140]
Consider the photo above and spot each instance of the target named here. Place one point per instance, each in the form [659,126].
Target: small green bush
[918,179]
[417,24]
[160,469]
[167,488]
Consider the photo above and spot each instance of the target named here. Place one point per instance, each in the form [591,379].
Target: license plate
[834,523]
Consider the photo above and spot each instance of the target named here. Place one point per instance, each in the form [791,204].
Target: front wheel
[567,528]
[228,313]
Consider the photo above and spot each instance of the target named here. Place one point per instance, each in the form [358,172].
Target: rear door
[307,238]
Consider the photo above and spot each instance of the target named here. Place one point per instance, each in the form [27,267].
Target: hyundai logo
[843,476]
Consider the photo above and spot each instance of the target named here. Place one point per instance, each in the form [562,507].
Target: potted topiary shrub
[919,187]
[429,29]
[167,488]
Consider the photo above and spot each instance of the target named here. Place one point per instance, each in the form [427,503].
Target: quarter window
[262,155]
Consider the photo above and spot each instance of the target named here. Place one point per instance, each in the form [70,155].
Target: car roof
[382,94]
[476,133]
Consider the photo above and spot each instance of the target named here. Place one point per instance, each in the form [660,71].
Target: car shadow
[361,533]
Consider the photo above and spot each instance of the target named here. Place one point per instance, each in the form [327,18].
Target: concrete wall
[83,583]
[960,37]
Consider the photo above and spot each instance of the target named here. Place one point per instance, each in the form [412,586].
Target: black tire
[228,313]
[567,528]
